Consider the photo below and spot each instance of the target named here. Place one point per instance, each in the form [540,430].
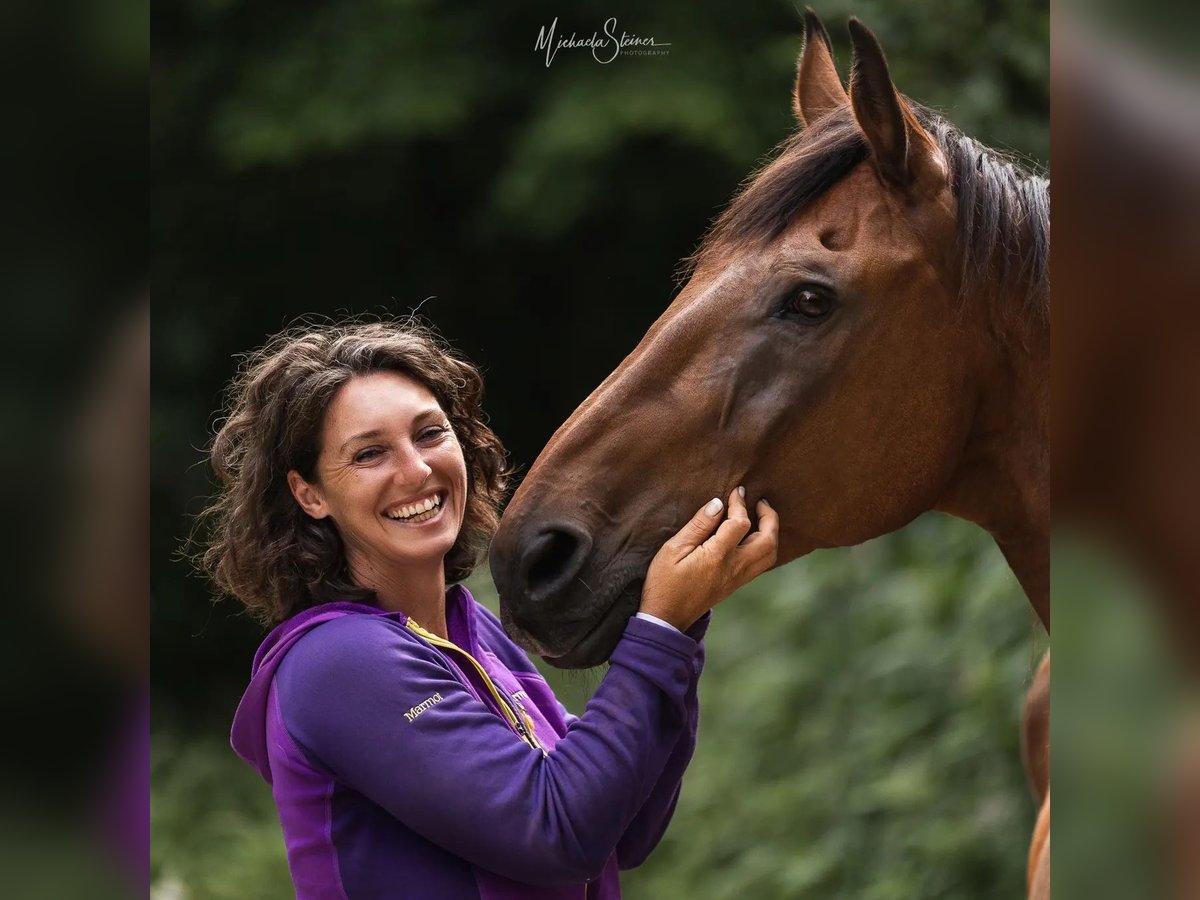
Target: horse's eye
[810,304]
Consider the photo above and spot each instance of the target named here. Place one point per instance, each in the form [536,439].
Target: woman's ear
[309,496]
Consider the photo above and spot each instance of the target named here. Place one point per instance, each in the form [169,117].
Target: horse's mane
[1003,211]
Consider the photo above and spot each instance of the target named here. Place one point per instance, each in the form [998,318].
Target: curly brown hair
[257,544]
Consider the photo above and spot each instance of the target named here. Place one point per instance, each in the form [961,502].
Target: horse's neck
[1003,480]
[1029,558]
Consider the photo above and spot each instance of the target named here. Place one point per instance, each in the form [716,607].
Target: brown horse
[864,337]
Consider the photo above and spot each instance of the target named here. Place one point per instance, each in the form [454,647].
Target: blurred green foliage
[213,824]
[860,706]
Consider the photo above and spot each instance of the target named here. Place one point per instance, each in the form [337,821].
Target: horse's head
[819,354]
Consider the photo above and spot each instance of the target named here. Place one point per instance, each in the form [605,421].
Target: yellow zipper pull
[506,709]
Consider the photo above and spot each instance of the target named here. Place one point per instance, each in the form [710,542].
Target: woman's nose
[412,468]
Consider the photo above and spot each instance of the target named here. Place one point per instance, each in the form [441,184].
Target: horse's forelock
[794,175]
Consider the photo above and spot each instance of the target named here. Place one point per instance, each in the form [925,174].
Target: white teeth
[415,510]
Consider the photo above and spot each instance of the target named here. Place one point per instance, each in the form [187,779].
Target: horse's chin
[603,634]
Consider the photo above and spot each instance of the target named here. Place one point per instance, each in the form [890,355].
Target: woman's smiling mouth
[417,511]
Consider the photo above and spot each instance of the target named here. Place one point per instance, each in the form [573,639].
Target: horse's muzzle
[553,602]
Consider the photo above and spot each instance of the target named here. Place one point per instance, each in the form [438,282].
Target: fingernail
[764,502]
[741,490]
[713,507]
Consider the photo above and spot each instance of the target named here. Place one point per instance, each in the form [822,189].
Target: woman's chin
[429,540]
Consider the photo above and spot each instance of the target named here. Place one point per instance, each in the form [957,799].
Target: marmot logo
[422,706]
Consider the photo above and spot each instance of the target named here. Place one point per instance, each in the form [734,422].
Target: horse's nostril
[551,557]
[554,558]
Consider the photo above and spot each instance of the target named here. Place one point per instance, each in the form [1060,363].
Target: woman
[412,748]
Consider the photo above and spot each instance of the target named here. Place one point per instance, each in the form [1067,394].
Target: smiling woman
[273,540]
[411,746]
[392,476]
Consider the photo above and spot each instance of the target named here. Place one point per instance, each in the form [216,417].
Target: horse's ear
[901,148]
[818,87]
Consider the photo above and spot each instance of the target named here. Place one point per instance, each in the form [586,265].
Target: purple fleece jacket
[397,774]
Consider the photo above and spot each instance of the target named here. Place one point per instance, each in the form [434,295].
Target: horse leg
[1035,752]
[1035,732]
[1038,872]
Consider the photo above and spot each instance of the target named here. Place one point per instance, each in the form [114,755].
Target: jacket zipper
[519,721]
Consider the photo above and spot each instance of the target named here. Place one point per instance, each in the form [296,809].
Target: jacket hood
[249,734]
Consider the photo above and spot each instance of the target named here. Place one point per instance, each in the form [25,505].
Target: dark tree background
[386,155]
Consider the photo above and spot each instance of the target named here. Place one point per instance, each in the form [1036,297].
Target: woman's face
[390,474]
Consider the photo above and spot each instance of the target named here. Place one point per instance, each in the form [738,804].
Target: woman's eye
[433,433]
[367,454]
[809,304]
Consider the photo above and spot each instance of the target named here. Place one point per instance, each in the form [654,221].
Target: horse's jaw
[596,644]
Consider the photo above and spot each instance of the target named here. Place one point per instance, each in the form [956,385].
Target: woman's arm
[651,821]
[690,575]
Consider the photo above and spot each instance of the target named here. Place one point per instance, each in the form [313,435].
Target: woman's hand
[697,569]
